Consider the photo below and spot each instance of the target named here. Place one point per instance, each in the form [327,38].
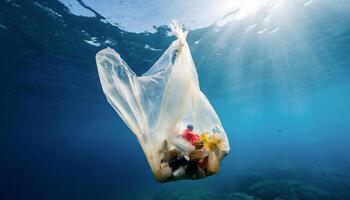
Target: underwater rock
[184,192]
[287,189]
[200,193]
[332,181]
[233,196]
[244,182]
[242,196]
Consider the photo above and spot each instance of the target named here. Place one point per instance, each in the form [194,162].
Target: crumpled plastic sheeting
[158,105]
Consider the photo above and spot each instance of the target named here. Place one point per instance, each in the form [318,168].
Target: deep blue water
[283,100]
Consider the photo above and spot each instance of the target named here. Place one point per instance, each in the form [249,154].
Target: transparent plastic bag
[160,105]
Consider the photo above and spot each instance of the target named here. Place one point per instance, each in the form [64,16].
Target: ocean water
[280,82]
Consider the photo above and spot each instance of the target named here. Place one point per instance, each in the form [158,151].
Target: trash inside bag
[176,126]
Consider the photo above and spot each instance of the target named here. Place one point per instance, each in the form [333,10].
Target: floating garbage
[178,129]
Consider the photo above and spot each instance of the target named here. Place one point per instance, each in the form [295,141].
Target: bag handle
[178,32]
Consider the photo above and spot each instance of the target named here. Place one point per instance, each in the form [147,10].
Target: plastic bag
[159,105]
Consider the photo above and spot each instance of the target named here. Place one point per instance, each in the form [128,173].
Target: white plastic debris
[159,105]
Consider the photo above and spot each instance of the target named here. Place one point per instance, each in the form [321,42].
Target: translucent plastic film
[178,129]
